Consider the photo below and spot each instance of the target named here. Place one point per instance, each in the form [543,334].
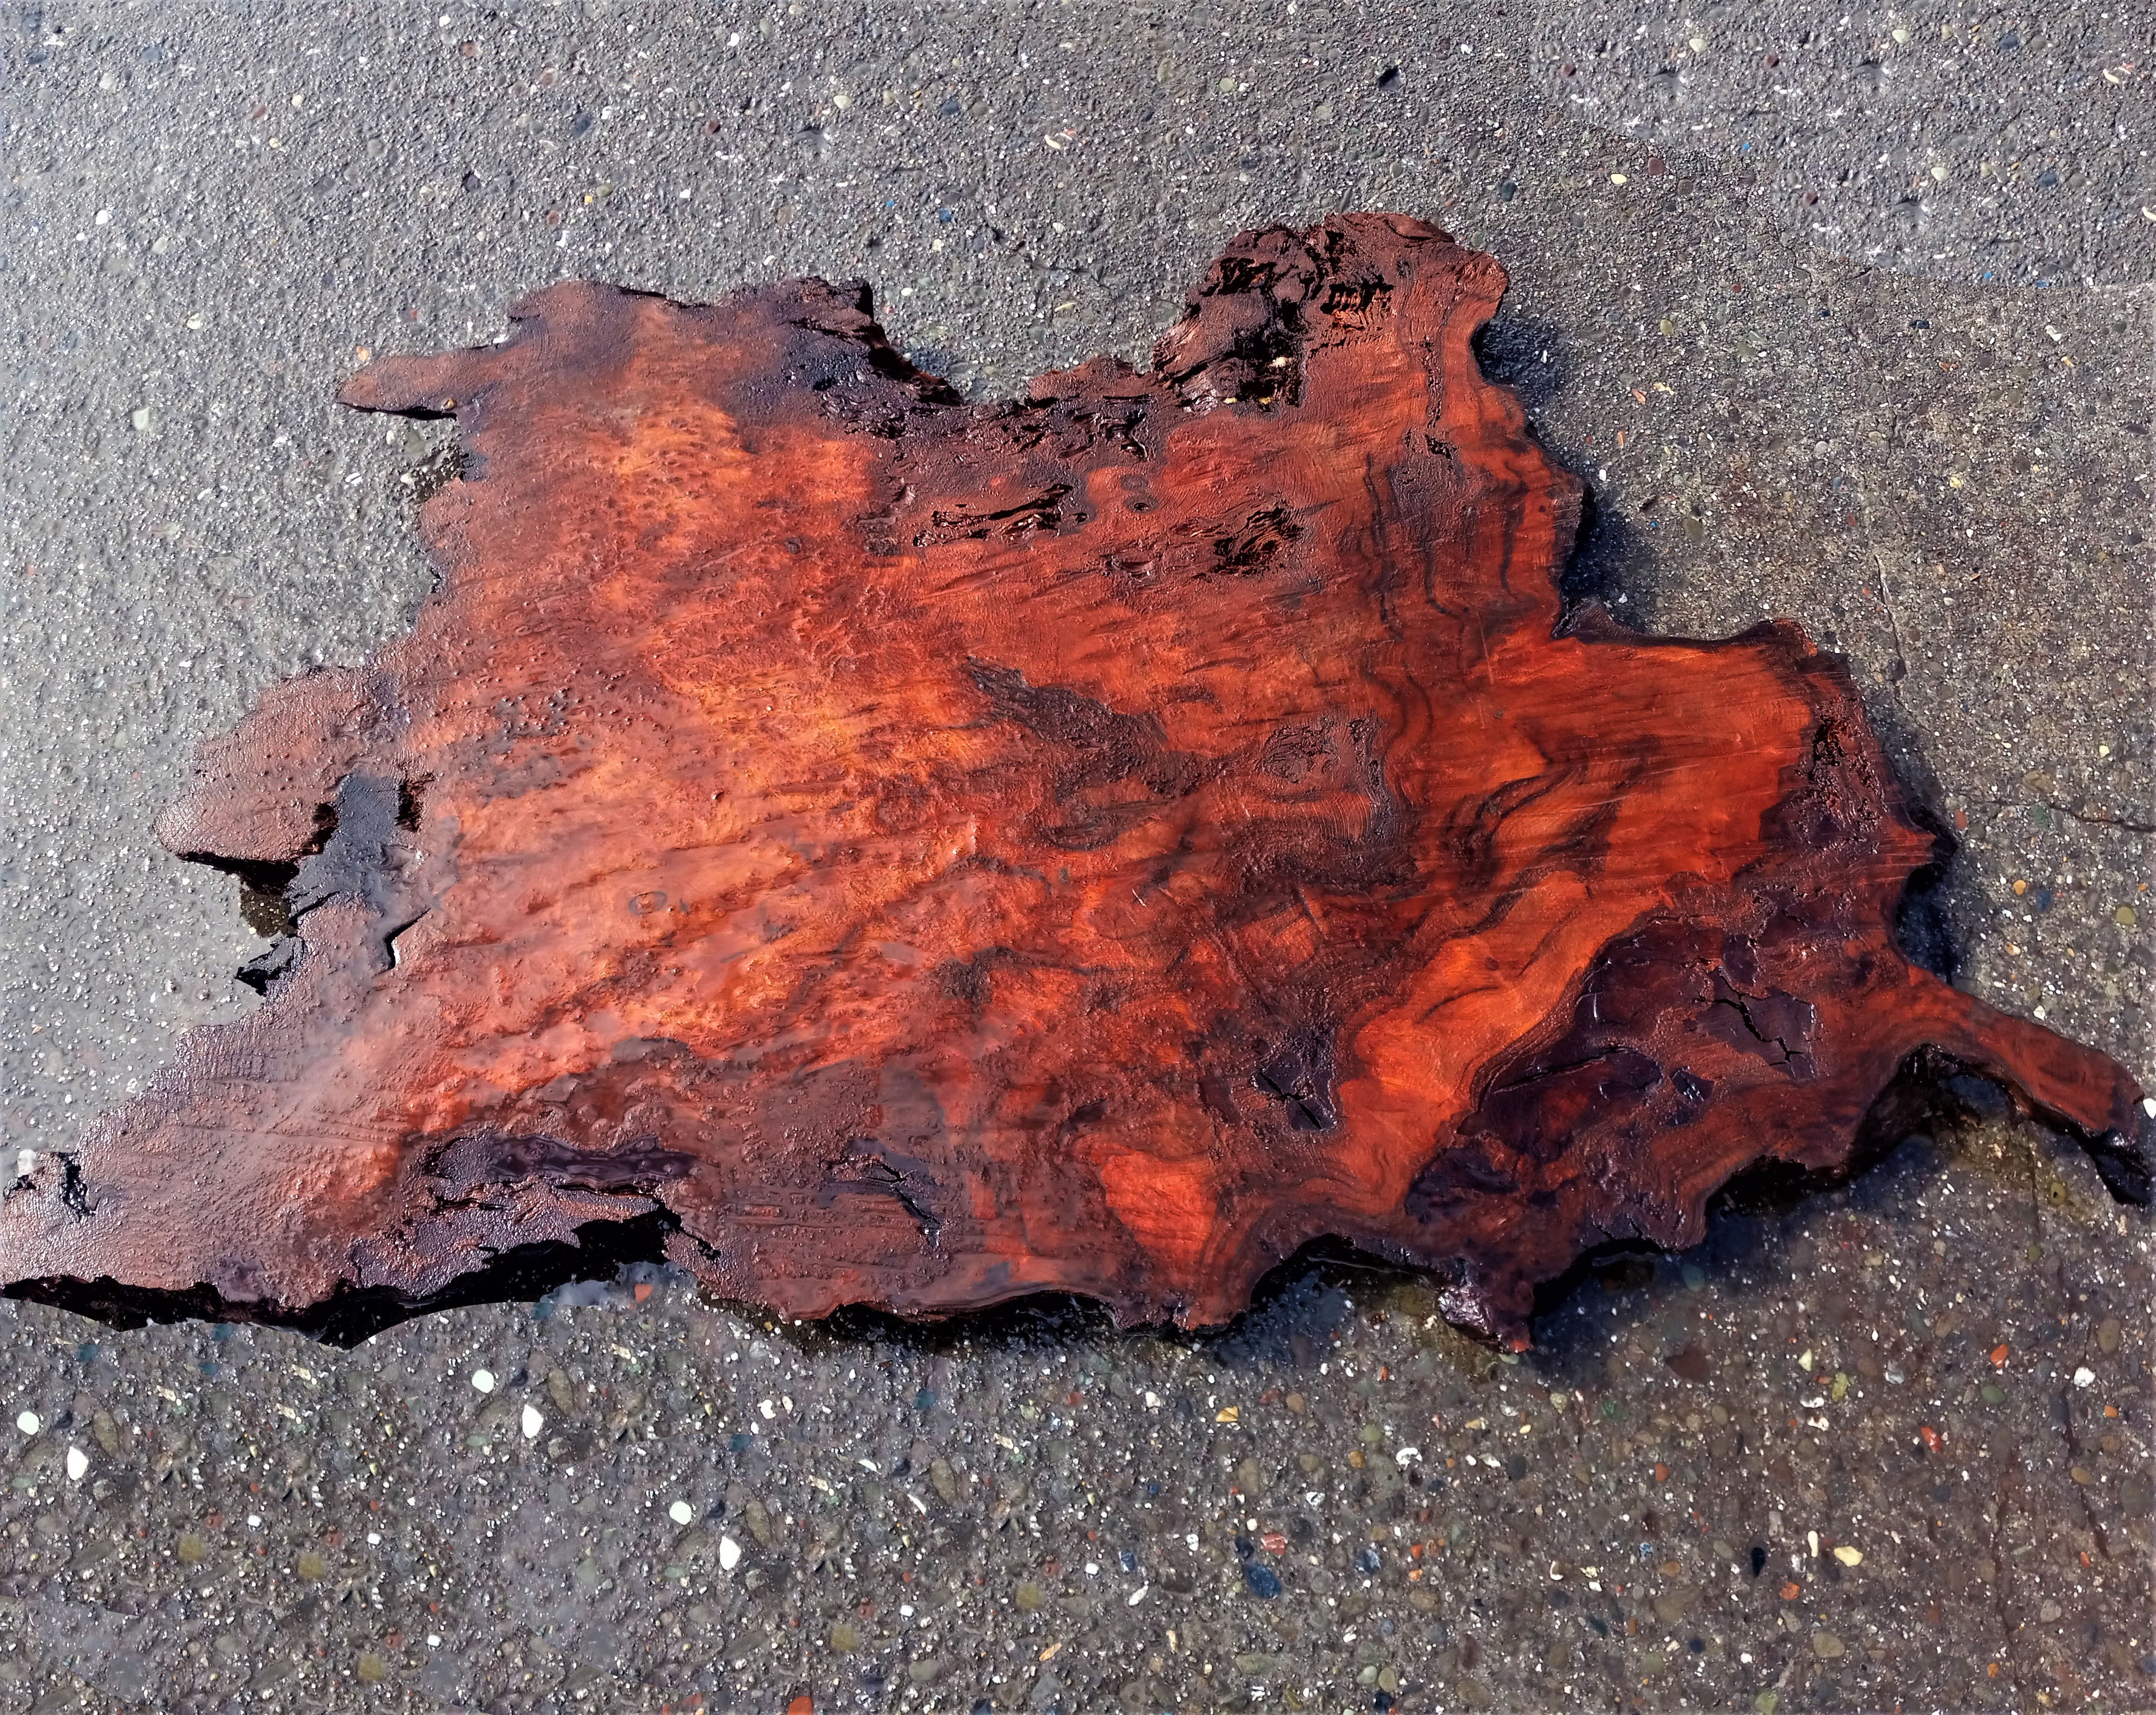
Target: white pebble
[2084,1376]
[729,1554]
[1138,1594]
[483,1379]
[433,1640]
[27,1423]
[78,1463]
[680,1512]
[1848,1555]
[533,1423]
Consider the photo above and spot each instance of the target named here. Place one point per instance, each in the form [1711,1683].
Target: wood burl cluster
[897,851]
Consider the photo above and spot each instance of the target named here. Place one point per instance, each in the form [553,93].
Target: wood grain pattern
[916,854]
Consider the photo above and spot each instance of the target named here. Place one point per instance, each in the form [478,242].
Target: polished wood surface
[913,852]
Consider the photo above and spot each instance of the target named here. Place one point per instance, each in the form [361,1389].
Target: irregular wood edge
[1915,1099]
[353,1315]
[2046,1076]
[2035,1068]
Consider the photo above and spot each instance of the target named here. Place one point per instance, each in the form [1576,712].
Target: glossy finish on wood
[916,854]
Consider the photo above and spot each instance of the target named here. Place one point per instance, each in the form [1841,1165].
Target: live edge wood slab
[901,852]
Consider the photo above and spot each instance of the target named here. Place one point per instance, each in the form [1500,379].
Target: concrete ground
[1845,316]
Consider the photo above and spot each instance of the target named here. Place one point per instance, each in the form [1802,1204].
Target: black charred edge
[351,1315]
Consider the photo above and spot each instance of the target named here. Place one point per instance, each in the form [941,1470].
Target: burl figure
[902,852]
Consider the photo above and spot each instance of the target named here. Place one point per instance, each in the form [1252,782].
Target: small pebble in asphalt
[27,1423]
[483,1379]
[680,1512]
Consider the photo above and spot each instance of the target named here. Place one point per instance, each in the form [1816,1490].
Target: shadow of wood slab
[895,851]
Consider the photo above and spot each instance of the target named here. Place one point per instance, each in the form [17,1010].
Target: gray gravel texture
[1845,316]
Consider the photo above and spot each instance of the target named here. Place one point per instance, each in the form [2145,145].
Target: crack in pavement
[2010,1481]
[2090,818]
[1885,590]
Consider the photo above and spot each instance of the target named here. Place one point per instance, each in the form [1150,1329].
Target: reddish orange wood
[917,853]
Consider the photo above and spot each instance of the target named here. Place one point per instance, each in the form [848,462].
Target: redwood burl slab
[912,853]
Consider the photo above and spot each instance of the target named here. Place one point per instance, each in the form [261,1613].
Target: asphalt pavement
[1843,317]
